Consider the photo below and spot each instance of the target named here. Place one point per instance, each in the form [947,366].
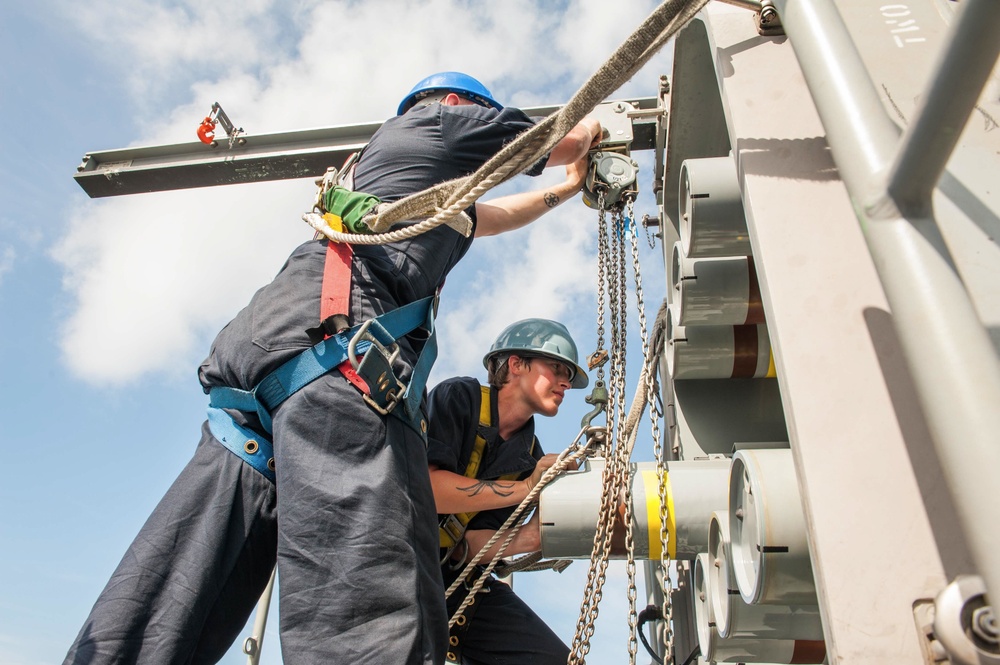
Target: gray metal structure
[257,158]
[885,333]
[866,147]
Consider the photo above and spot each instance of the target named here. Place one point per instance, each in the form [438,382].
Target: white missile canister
[770,553]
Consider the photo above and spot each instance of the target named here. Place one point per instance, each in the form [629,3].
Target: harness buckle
[375,369]
[452,526]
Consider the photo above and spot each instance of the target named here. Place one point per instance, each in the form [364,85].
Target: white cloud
[156,273]
[153,276]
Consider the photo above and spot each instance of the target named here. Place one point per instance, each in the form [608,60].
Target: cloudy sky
[108,306]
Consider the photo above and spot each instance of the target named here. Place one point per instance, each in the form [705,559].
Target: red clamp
[206,130]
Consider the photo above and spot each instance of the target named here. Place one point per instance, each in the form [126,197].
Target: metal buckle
[453,527]
[363,334]
[375,369]
[473,577]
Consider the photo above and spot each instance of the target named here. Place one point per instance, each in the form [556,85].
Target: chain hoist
[610,187]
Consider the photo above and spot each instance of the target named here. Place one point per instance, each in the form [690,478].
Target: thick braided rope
[533,144]
[631,56]
[572,453]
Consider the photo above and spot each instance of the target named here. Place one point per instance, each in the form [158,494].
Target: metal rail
[953,362]
[278,156]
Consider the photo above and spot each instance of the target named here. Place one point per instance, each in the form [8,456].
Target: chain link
[612,289]
[621,226]
[654,417]
[602,259]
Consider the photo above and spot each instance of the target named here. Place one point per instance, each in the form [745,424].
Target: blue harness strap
[308,366]
[246,444]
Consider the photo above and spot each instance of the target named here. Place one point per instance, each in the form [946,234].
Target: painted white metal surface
[881,527]
[736,619]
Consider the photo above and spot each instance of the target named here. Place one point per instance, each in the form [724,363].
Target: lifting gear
[611,174]
[452,528]
[206,130]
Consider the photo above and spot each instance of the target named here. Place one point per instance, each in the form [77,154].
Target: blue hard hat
[456,82]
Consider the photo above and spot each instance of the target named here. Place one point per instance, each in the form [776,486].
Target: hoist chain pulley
[611,175]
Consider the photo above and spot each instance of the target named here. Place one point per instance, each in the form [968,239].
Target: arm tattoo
[551,200]
[497,487]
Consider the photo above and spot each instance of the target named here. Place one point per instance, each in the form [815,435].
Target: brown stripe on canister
[744,352]
[755,307]
[808,651]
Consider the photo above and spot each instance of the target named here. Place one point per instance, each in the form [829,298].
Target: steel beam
[278,156]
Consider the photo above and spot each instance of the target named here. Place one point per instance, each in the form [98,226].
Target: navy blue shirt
[407,154]
[432,144]
[453,421]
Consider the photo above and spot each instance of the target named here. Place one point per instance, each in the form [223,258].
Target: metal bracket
[767,20]
[960,626]
[233,132]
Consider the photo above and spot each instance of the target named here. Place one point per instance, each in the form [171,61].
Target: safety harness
[374,341]
[452,527]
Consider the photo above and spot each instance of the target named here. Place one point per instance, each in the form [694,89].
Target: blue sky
[107,306]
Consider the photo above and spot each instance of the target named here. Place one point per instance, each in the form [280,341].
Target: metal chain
[633,616]
[649,236]
[602,258]
[613,474]
[651,389]
[616,485]
[654,415]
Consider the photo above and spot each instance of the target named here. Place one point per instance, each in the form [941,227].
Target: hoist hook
[206,130]
[599,398]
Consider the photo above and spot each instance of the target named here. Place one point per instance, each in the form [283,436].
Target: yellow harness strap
[453,527]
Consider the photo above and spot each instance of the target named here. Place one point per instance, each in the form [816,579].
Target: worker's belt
[376,340]
[254,449]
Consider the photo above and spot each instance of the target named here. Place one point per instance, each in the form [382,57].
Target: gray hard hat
[540,337]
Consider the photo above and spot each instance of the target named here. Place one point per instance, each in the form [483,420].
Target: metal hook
[599,398]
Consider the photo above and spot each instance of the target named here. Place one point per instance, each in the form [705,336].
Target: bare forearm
[527,540]
[516,210]
[457,494]
[576,143]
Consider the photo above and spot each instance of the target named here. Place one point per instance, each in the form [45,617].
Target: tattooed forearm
[551,200]
[495,486]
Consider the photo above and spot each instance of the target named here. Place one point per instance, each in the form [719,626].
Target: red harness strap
[336,296]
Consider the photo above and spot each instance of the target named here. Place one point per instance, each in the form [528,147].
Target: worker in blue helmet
[484,459]
[446,82]
[354,535]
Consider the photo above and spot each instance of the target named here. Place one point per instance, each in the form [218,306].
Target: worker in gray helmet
[341,440]
[484,459]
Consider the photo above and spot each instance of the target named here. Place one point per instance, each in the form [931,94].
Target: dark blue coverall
[500,629]
[351,520]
